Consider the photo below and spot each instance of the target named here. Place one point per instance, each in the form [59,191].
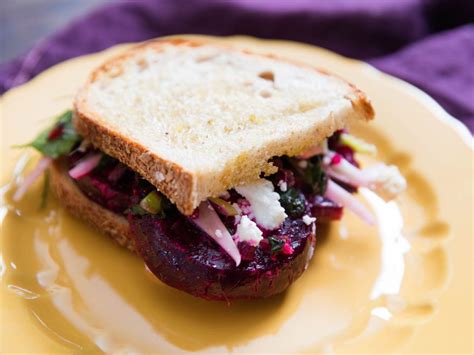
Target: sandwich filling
[254,228]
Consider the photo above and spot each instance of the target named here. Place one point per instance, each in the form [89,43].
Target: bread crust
[79,205]
[184,188]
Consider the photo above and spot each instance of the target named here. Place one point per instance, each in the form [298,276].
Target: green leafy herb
[105,160]
[275,244]
[293,202]
[44,192]
[57,140]
[312,173]
[315,175]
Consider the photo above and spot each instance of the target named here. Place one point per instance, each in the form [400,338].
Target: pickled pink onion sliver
[209,221]
[352,174]
[42,165]
[338,176]
[85,165]
[337,194]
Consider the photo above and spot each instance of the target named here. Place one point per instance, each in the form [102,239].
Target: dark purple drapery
[429,43]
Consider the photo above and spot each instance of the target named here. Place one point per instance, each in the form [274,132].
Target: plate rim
[455,126]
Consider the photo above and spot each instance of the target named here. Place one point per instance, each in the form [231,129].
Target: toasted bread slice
[196,119]
[108,222]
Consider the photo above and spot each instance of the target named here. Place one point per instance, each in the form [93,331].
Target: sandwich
[214,164]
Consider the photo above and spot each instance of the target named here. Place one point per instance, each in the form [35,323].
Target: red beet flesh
[184,257]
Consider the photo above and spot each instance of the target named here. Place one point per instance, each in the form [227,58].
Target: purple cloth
[429,43]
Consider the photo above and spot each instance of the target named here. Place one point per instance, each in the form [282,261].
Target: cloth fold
[429,43]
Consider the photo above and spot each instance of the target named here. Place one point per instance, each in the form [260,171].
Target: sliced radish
[208,220]
[42,165]
[85,165]
[337,194]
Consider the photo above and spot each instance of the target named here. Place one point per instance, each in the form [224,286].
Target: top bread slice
[196,118]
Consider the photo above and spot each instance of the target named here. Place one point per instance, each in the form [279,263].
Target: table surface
[24,22]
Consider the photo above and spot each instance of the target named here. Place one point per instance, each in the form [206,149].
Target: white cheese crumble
[248,231]
[282,185]
[303,164]
[265,203]
[218,233]
[308,220]
[386,180]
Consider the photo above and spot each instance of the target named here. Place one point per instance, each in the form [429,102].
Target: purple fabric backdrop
[429,43]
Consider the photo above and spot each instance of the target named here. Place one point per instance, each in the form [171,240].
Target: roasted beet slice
[183,257]
[323,209]
[104,194]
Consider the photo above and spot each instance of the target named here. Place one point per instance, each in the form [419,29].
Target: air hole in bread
[265,94]
[205,57]
[142,64]
[267,75]
[115,71]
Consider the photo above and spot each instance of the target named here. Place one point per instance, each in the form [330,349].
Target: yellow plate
[405,285]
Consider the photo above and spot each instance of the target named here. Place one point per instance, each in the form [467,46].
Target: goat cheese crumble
[265,203]
[282,185]
[248,231]
[386,180]
[308,220]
